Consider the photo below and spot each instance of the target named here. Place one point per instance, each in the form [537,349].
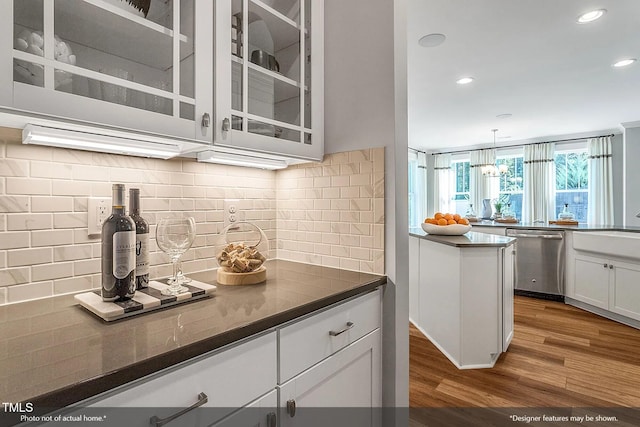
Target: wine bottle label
[142,254]
[124,253]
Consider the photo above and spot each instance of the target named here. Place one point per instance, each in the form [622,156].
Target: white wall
[365,106]
[631,173]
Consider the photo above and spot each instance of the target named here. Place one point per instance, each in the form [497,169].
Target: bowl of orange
[446,224]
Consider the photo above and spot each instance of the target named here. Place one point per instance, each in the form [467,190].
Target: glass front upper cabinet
[269,93]
[106,62]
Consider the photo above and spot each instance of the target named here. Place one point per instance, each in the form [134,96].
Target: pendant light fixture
[495,170]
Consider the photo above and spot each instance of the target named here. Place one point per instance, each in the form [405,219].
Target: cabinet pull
[606,265]
[341,331]
[206,120]
[159,422]
[272,419]
[226,124]
[610,266]
[291,407]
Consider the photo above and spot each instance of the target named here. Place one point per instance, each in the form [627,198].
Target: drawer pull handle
[272,419]
[291,408]
[341,331]
[159,422]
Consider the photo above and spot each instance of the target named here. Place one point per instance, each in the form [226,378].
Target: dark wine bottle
[118,251]
[142,239]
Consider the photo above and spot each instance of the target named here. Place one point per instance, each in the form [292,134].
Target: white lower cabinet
[330,359]
[227,380]
[342,390]
[608,283]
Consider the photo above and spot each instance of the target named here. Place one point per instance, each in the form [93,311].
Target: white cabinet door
[625,289]
[229,379]
[592,280]
[260,413]
[508,279]
[342,390]
[414,279]
[102,62]
[269,76]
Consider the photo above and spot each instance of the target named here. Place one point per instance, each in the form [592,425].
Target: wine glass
[174,237]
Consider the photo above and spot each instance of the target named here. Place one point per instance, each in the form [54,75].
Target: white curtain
[480,186]
[442,183]
[600,205]
[539,201]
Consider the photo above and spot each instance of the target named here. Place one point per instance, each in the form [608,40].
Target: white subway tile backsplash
[10,167]
[28,292]
[70,220]
[74,284]
[71,253]
[14,276]
[18,222]
[51,271]
[308,212]
[24,257]
[51,204]
[51,238]
[14,203]
[14,240]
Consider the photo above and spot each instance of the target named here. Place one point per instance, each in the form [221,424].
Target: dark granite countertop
[54,353]
[467,240]
[579,227]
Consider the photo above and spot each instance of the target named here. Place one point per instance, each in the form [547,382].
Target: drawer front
[310,340]
[230,379]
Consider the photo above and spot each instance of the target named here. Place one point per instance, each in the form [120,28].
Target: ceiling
[529,58]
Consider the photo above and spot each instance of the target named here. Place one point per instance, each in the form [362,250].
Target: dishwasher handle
[539,236]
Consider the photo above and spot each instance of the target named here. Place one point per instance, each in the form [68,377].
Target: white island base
[465,296]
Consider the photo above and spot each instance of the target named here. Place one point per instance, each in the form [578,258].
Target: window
[417,189]
[460,192]
[572,182]
[511,183]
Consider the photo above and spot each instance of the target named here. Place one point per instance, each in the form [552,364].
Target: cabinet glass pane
[236,86]
[307,64]
[272,98]
[288,8]
[266,129]
[187,55]
[28,37]
[274,43]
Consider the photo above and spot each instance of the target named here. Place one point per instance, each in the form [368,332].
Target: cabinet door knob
[291,407]
[159,422]
[610,266]
[206,120]
[342,331]
[272,419]
[606,265]
[226,124]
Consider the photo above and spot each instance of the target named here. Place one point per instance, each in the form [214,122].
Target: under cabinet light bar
[79,140]
[240,160]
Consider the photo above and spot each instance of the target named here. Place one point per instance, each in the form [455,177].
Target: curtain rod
[522,145]
[416,150]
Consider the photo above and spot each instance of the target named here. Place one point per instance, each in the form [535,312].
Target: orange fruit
[456,217]
[448,216]
[442,221]
[464,221]
[438,215]
[452,221]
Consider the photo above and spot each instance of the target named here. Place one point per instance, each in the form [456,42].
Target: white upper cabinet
[103,62]
[269,76]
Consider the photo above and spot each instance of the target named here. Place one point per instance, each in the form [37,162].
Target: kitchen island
[462,294]
[54,353]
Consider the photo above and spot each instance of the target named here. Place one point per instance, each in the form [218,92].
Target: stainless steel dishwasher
[540,263]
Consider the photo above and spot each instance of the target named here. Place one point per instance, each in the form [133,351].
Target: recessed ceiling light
[624,62]
[464,80]
[432,40]
[504,116]
[591,16]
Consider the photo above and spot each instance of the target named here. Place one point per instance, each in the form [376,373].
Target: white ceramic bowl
[447,230]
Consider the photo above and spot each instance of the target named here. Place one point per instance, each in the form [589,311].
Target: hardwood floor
[560,356]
